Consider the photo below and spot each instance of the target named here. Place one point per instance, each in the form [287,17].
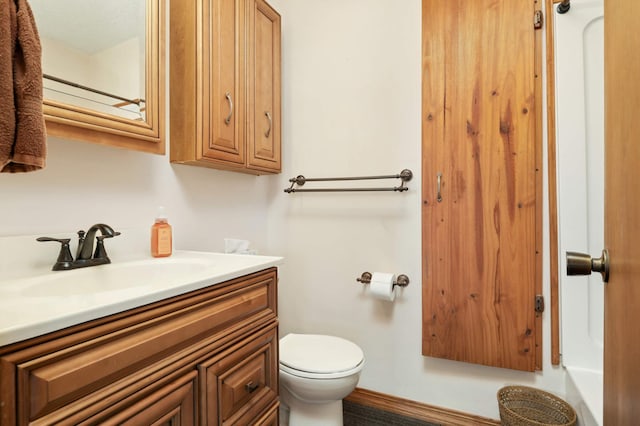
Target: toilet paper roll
[381,286]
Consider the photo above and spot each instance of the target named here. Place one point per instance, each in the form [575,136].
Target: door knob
[583,264]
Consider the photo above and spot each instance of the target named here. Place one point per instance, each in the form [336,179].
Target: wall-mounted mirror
[103,67]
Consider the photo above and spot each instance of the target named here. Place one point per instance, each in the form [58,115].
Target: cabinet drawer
[210,318]
[241,383]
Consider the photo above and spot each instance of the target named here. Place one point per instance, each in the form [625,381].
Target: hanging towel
[30,142]
[8,28]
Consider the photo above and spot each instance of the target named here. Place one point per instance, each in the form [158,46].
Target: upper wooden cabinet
[225,85]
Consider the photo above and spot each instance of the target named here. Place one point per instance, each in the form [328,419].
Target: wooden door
[263,134]
[622,210]
[223,111]
[479,154]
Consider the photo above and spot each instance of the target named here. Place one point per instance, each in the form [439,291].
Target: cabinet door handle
[439,195]
[250,387]
[268,132]
[228,119]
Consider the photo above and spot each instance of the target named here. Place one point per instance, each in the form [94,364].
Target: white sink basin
[50,300]
[131,276]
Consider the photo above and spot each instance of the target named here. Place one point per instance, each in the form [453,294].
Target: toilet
[316,373]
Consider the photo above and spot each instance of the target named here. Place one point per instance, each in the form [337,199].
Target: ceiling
[90,25]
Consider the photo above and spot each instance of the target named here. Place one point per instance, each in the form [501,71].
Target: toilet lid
[316,353]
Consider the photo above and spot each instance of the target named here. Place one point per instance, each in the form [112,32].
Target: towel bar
[300,180]
[91,89]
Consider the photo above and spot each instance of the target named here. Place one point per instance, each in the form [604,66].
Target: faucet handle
[81,235]
[58,240]
[100,252]
[64,257]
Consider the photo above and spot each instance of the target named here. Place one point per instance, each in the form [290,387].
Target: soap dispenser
[161,238]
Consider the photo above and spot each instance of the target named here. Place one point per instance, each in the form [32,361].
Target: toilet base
[303,414]
[283,415]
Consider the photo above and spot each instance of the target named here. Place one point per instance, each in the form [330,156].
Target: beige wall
[85,184]
[352,81]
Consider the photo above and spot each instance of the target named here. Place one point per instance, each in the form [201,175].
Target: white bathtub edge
[588,385]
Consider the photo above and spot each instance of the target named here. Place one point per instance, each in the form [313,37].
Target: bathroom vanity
[203,352]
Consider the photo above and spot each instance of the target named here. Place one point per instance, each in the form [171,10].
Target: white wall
[84,184]
[64,62]
[351,106]
[579,47]
[109,73]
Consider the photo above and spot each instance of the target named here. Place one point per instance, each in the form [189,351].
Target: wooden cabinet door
[241,383]
[171,405]
[263,132]
[479,150]
[223,111]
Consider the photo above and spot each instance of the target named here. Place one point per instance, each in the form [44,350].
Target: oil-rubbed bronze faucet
[85,256]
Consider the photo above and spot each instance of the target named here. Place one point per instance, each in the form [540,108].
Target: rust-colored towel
[30,142]
[8,36]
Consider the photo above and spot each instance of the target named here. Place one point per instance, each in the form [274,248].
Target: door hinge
[537,20]
[539,303]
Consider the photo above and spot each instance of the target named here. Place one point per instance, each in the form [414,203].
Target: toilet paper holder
[402,280]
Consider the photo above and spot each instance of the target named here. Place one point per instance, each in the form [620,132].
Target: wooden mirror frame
[73,122]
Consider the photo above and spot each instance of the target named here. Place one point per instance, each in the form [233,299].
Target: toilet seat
[319,356]
[309,375]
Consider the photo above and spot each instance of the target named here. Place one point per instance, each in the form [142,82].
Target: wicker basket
[525,406]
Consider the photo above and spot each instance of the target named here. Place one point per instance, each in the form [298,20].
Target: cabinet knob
[250,387]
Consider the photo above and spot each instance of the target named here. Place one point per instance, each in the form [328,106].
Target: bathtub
[579,49]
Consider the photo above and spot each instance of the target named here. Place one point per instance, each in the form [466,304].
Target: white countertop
[49,301]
